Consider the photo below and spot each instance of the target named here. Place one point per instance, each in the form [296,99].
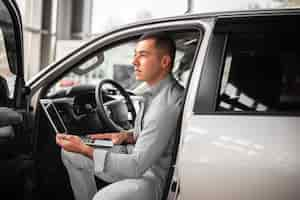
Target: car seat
[255,76]
[4,92]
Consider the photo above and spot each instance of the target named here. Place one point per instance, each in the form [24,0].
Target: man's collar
[155,89]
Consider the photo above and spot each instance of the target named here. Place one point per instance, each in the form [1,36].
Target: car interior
[256,70]
[101,95]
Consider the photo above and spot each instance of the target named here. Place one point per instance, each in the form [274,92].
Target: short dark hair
[162,41]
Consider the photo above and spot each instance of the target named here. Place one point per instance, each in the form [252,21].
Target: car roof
[224,14]
[245,13]
[218,15]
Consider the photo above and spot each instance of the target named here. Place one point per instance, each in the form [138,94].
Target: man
[140,173]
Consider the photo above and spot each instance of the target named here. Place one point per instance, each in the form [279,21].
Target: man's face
[148,62]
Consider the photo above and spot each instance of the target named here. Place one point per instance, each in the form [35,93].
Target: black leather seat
[4,92]
[16,169]
[257,76]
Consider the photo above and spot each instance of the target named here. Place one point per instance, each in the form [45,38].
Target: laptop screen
[53,116]
[59,127]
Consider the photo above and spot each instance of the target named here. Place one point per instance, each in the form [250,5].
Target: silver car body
[219,156]
[236,156]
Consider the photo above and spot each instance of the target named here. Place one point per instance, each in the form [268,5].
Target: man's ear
[166,61]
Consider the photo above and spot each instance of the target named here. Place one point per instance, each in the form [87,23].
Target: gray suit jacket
[155,129]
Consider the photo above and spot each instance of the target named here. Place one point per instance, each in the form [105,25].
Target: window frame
[209,85]
[124,38]
[205,102]
[15,60]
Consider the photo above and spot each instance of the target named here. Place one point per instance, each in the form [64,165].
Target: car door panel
[6,133]
[16,164]
[9,116]
[240,157]
[247,147]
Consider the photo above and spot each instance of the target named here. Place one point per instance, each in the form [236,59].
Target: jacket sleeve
[150,145]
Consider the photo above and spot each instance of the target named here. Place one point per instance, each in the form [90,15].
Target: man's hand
[116,138]
[74,144]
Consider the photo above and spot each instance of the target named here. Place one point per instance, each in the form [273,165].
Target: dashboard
[78,108]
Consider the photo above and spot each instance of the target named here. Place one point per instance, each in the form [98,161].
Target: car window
[261,72]
[7,55]
[7,78]
[115,62]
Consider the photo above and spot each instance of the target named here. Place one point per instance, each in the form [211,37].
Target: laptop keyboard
[97,142]
[87,139]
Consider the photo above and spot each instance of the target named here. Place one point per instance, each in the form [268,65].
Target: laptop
[59,126]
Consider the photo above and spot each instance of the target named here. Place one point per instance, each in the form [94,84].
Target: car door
[240,136]
[14,142]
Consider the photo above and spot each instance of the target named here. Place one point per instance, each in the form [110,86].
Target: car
[238,132]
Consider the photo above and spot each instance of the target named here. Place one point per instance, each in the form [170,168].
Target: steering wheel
[103,109]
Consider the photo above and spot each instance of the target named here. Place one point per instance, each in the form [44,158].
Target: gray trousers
[82,177]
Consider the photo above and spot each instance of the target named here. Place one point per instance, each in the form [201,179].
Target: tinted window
[261,71]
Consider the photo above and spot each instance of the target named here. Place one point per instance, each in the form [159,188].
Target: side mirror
[89,65]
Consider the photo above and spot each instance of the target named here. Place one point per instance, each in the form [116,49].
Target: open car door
[15,148]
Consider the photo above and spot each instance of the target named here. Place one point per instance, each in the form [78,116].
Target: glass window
[115,63]
[7,79]
[261,73]
[8,56]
